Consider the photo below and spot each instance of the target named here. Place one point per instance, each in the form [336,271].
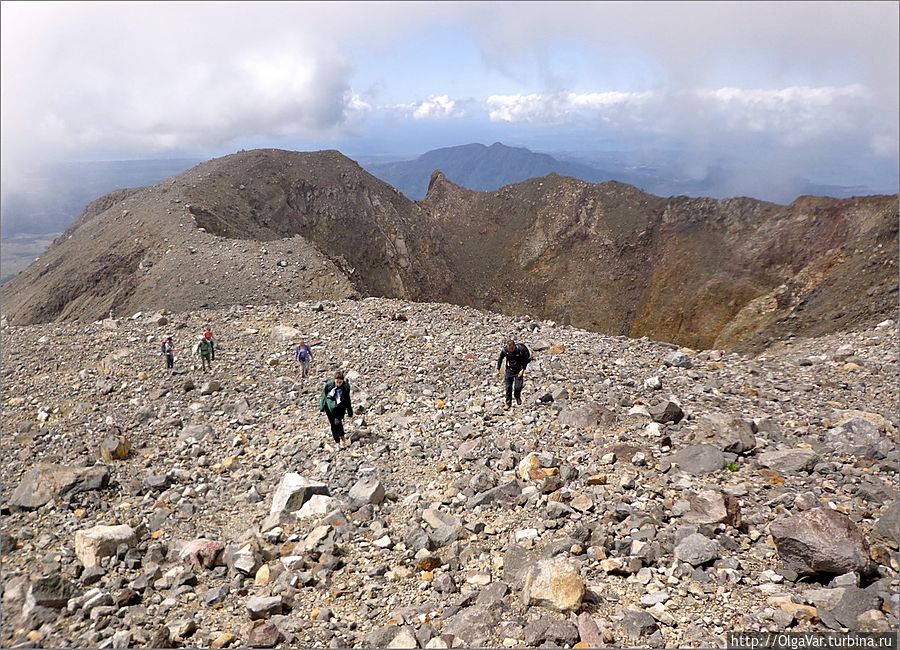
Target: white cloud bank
[794,114]
[436,108]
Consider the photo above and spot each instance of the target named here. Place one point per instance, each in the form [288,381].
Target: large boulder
[475,625]
[555,584]
[729,433]
[713,507]
[93,544]
[699,459]
[695,549]
[821,541]
[888,525]
[862,434]
[789,461]
[52,591]
[365,491]
[507,494]
[586,415]
[47,482]
[293,491]
[666,411]
[285,335]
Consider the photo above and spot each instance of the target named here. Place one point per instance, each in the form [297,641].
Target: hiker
[303,356]
[204,349]
[168,349]
[335,402]
[517,357]
[209,336]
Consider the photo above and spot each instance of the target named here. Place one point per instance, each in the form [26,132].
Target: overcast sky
[809,84]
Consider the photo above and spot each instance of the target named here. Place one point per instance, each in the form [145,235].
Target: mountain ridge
[274,226]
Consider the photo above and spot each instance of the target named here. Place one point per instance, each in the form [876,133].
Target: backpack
[524,351]
[165,347]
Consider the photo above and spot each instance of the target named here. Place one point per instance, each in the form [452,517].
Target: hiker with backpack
[168,349]
[303,356]
[204,350]
[517,356]
[335,403]
[209,336]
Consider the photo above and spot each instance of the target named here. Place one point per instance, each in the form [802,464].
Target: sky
[805,88]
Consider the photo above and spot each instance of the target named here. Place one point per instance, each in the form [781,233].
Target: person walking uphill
[204,349]
[168,349]
[303,355]
[335,403]
[517,357]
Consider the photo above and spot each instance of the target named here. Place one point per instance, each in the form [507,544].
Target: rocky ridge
[269,226]
[643,495]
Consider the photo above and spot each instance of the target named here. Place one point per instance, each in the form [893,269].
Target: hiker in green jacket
[335,402]
[205,350]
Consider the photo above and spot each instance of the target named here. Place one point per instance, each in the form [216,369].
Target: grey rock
[263,634]
[789,461]
[210,387]
[260,607]
[474,625]
[853,603]
[586,415]
[678,359]
[47,482]
[888,525]
[492,595]
[506,494]
[548,632]
[699,459]
[666,411]
[293,491]
[636,626]
[697,550]
[713,507]
[727,432]
[52,591]
[196,432]
[367,490]
[821,541]
[93,544]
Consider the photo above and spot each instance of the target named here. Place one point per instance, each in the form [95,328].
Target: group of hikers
[335,401]
[205,348]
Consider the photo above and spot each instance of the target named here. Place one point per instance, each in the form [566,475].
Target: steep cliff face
[271,226]
[699,272]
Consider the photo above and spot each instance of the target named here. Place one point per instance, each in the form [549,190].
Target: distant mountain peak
[480,168]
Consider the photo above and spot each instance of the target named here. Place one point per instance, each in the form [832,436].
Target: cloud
[794,115]
[561,107]
[437,107]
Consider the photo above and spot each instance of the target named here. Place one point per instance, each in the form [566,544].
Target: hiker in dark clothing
[517,357]
[335,402]
[168,349]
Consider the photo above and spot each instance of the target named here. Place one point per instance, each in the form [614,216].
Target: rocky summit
[642,495]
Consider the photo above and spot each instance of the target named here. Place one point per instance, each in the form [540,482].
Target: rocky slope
[260,226]
[641,496]
[270,226]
